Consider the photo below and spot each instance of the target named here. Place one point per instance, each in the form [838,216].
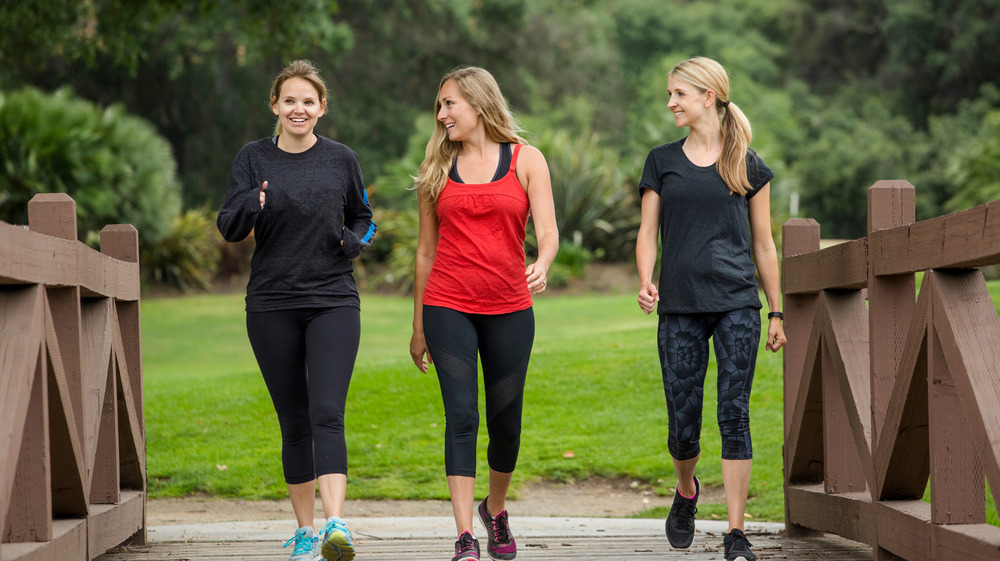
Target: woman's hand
[537,278]
[648,297]
[419,353]
[262,187]
[775,335]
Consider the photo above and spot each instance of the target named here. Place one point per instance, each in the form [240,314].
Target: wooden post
[798,235]
[891,303]
[121,241]
[54,214]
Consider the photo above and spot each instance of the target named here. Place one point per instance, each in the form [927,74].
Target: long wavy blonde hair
[707,74]
[480,90]
[297,69]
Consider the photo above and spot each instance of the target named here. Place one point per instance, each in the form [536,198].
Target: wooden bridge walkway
[559,539]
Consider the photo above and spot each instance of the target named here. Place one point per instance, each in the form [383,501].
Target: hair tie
[726,104]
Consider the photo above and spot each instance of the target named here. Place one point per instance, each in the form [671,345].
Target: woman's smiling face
[455,113]
[298,107]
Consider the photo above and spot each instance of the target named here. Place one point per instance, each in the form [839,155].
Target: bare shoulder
[531,157]
[530,153]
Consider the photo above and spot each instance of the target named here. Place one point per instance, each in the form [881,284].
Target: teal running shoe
[336,541]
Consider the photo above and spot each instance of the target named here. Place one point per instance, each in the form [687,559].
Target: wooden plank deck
[619,548]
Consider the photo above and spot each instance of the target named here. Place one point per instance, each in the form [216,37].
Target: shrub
[115,166]
[188,254]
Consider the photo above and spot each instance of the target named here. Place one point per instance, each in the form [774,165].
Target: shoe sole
[337,548]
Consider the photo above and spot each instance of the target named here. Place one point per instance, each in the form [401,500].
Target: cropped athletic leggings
[683,345]
[306,357]
[503,343]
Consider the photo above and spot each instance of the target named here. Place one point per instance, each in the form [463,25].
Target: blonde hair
[707,74]
[297,69]
[480,90]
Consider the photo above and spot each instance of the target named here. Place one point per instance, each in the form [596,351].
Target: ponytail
[736,135]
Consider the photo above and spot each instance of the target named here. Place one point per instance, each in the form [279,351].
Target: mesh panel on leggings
[500,395]
[456,368]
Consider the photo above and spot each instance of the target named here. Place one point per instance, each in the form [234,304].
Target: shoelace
[501,530]
[465,541]
[740,538]
[302,543]
[686,510]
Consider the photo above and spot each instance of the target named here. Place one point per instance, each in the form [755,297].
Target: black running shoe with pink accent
[467,547]
[501,542]
[680,521]
[738,546]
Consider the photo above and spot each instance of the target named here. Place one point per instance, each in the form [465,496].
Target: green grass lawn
[594,406]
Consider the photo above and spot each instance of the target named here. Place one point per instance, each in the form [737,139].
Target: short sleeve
[758,173]
[650,175]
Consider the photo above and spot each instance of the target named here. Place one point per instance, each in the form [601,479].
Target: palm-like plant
[595,209]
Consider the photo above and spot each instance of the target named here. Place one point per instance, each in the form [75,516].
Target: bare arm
[427,241]
[538,184]
[645,250]
[766,257]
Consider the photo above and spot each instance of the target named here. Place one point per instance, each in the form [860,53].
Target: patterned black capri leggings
[683,344]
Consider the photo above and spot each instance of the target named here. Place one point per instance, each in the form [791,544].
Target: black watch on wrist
[778,315]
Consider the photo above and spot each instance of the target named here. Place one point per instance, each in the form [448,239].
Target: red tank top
[479,264]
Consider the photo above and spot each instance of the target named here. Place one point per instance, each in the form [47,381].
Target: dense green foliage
[841,94]
[114,165]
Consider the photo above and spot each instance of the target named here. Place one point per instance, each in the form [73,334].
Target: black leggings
[503,343]
[683,345]
[306,357]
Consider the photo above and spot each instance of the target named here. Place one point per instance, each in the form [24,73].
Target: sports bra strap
[513,159]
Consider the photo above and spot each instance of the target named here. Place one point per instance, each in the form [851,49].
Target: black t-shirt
[705,264]
[314,199]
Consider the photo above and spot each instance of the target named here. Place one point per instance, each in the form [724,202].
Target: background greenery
[594,389]
[841,94]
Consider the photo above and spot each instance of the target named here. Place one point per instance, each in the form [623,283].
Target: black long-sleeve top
[313,201]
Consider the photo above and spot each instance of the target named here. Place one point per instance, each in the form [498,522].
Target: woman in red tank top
[472,289]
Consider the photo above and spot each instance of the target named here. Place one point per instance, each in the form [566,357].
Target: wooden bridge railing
[72,442]
[886,391]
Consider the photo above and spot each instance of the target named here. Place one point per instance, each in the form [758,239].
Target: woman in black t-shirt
[708,196]
[303,197]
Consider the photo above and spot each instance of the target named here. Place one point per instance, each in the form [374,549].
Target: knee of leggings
[736,442]
[463,424]
[295,429]
[684,449]
[330,420]
[504,435]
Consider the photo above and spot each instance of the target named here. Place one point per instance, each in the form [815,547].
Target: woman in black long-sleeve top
[303,197]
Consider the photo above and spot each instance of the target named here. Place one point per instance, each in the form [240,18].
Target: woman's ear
[709,98]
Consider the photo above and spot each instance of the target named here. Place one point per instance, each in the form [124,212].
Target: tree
[195,69]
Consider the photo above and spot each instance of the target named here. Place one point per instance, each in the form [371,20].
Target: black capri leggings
[307,357]
[504,344]
[683,344]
